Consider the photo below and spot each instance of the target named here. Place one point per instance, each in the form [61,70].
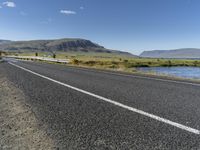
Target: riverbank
[117,63]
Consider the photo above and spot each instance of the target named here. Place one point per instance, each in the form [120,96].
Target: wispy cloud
[67,12]
[47,21]
[81,8]
[9,4]
[22,13]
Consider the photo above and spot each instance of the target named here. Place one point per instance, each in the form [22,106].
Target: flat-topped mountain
[177,53]
[66,45]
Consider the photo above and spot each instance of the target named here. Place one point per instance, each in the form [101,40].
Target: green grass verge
[115,62]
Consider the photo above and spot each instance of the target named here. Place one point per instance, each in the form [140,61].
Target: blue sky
[128,25]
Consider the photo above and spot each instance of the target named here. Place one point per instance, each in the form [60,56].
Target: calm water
[184,72]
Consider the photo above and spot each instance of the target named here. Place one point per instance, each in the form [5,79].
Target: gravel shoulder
[19,127]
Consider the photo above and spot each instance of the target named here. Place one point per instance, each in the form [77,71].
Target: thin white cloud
[22,13]
[67,12]
[0,6]
[47,21]
[82,8]
[9,4]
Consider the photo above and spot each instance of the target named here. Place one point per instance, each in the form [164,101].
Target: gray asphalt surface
[79,121]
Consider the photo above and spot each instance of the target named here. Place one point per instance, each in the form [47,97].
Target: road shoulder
[19,127]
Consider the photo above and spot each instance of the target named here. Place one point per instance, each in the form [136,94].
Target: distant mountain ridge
[176,53]
[67,44]
[4,42]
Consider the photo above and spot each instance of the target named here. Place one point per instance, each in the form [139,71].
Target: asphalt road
[78,120]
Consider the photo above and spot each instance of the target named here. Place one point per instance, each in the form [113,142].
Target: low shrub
[91,62]
[75,61]
[125,60]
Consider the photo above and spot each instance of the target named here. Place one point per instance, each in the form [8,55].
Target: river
[183,72]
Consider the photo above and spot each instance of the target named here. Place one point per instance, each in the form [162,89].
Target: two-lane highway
[88,109]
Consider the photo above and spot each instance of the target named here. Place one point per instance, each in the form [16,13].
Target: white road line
[180,126]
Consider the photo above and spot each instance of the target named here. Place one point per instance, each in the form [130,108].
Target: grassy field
[114,61]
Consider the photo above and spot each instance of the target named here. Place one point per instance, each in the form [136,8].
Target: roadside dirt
[19,127]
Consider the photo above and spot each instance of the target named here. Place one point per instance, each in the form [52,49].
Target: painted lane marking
[180,126]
